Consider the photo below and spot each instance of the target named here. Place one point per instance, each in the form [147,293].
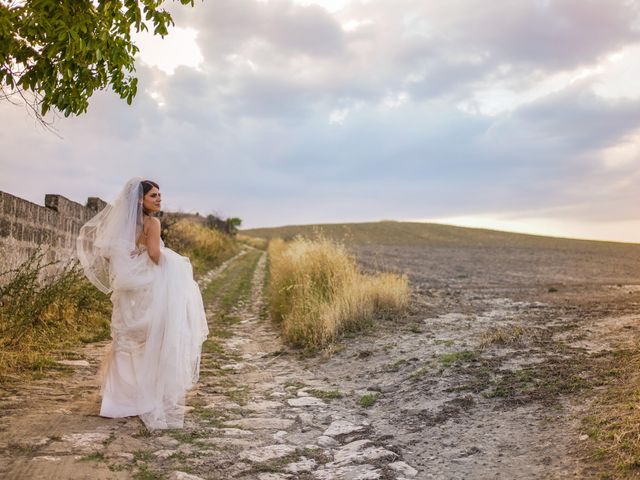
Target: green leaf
[68,50]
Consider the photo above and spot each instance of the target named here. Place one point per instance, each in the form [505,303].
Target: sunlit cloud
[180,48]
[395,100]
[625,231]
[338,116]
[516,115]
[625,153]
[331,5]
[619,79]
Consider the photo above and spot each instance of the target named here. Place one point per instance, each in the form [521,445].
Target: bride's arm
[153,239]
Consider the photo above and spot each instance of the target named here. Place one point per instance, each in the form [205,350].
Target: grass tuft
[317,292]
[93,457]
[206,247]
[368,400]
[325,394]
[448,359]
[507,335]
[613,423]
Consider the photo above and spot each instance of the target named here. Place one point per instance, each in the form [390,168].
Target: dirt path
[255,414]
[483,379]
[285,423]
[50,428]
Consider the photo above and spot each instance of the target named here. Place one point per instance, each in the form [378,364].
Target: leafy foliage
[234,223]
[56,53]
[230,225]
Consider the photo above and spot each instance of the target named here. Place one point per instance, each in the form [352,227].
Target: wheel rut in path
[273,418]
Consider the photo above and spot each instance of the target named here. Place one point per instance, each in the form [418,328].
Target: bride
[158,322]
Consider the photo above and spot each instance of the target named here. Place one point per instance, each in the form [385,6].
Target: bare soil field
[502,352]
[508,343]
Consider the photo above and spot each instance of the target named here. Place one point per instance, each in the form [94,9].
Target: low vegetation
[507,335]
[325,394]
[317,292]
[613,424]
[206,247]
[45,309]
[367,400]
[448,359]
[255,242]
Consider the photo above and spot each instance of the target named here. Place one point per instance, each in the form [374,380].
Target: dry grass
[613,425]
[206,248]
[255,242]
[41,314]
[317,292]
[507,335]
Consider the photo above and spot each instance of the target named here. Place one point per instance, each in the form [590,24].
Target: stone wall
[26,227]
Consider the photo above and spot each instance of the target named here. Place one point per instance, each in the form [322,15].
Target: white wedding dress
[158,322]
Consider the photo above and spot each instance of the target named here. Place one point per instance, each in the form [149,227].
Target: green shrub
[44,307]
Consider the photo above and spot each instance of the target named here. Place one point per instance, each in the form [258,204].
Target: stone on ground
[264,454]
[342,427]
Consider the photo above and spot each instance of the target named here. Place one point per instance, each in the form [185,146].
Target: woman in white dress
[158,322]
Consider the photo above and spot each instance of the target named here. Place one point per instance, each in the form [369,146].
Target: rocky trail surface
[485,377]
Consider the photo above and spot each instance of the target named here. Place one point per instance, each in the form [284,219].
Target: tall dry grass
[255,242]
[317,292]
[206,247]
[612,422]
[43,310]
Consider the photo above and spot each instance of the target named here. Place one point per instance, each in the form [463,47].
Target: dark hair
[148,185]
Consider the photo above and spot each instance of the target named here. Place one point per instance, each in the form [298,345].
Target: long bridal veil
[158,322]
[110,236]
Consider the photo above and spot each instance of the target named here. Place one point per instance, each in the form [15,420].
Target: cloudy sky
[521,115]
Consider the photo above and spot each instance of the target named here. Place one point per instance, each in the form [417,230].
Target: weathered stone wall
[26,227]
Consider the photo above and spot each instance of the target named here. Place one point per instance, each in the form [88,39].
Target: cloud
[579,118]
[267,54]
[561,34]
[298,114]
[281,27]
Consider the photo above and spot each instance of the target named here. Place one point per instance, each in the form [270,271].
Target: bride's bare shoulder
[151,222]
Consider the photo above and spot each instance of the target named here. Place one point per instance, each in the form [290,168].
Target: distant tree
[230,225]
[212,221]
[56,53]
[234,223]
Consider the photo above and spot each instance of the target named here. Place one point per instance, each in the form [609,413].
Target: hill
[416,233]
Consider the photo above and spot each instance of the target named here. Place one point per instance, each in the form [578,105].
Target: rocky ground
[486,376]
